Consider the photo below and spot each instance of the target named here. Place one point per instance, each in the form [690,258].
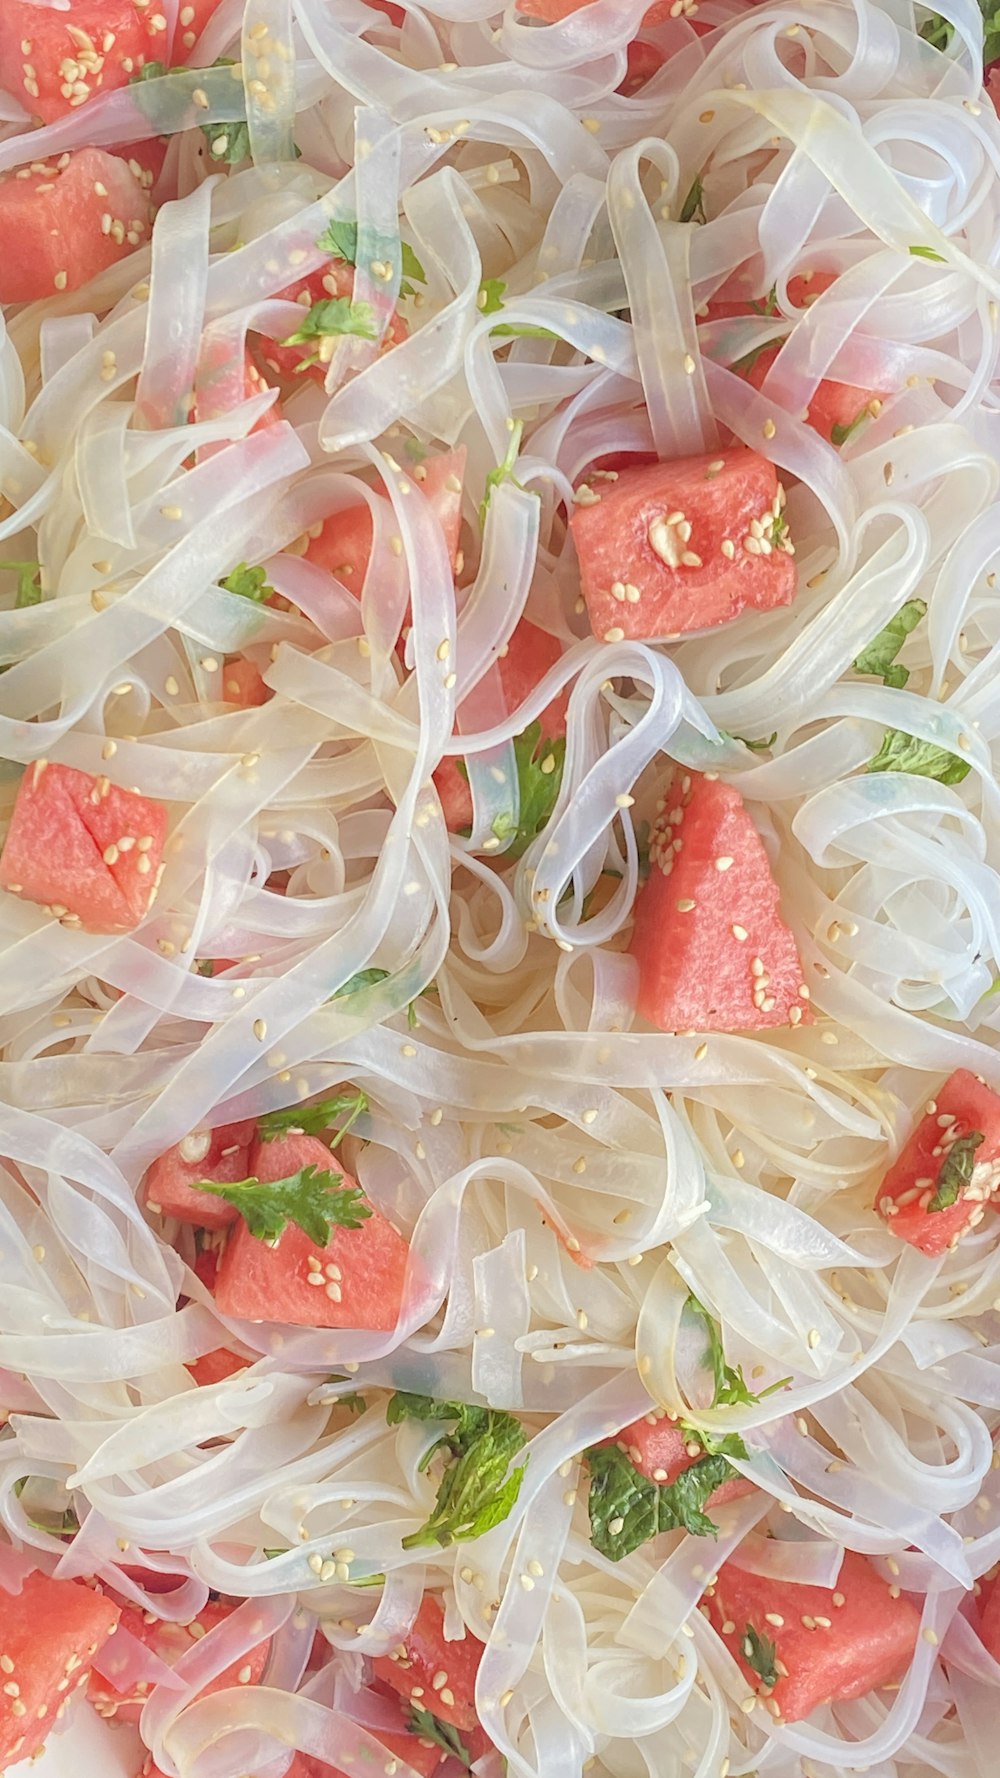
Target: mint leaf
[29,583]
[443,1734]
[491,294]
[901,752]
[248,583]
[475,1491]
[313,1198]
[312,1120]
[956,1170]
[539,775]
[927,253]
[627,1508]
[693,207]
[759,1653]
[879,655]
[335,315]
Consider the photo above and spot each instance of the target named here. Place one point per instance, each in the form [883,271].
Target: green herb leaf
[365,978]
[336,315]
[754,746]
[312,1198]
[743,366]
[523,330]
[879,656]
[991,31]
[730,1387]
[475,1492]
[901,752]
[248,583]
[769,305]
[270,1555]
[956,1170]
[693,207]
[504,472]
[29,583]
[539,775]
[627,1509]
[936,31]
[927,253]
[759,1653]
[55,1523]
[443,1734]
[839,435]
[149,71]
[490,298]
[312,1120]
[341,239]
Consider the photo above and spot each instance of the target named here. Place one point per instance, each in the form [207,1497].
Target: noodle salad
[500,1077]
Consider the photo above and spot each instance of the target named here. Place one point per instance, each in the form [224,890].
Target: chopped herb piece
[341,239]
[759,1653]
[839,435]
[312,1120]
[522,330]
[443,1734]
[490,298]
[927,253]
[55,1523]
[693,207]
[504,472]
[313,1198]
[743,366]
[29,583]
[754,746]
[730,1386]
[878,657]
[901,752]
[956,1171]
[769,304]
[475,1492]
[539,775]
[335,315]
[936,31]
[248,583]
[627,1509]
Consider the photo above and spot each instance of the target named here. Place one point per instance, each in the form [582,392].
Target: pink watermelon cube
[52,233]
[713,951]
[51,1631]
[222,1155]
[669,547]
[87,850]
[951,1161]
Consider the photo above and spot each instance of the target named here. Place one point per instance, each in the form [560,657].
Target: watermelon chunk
[530,654]
[193,17]
[551,12]
[215,1367]
[356,1280]
[658,1448]
[89,851]
[55,61]
[51,1631]
[222,1155]
[53,233]
[424,1653]
[941,1158]
[242,683]
[683,546]
[835,1643]
[293,362]
[169,1641]
[713,951]
[989,1617]
[344,545]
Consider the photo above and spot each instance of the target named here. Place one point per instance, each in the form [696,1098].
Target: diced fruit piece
[220,387]
[295,362]
[683,546]
[659,1451]
[427,1653]
[242,683]
[55,61]
[530,654]
[713,951]
[552,11]
[51,1631]
[52,235]
[344,545]
[989,1617]
[215,1367]
[644,60]
[356,1280]
[948,1170]
[169,1641]
[145,159]
[83,847]
[222,1155]
[835,1643]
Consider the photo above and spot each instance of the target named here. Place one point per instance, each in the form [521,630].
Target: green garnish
[878,657]
[475,1491]
[539,775]
[627,1509]
[956,1170]
[839,435]
[730,1387]
[693,207]
[248,583]
[490,298]
[754,746]
[229,143]
[504,472]
[29,583]
[927,253]
[743,366]
[901,752]
[522,330]
[341,240]
[759,1653]
[313,1198]
[936,31]
[769,305]
[56,1524]
[335,317]
[443,1734]
[312,1120]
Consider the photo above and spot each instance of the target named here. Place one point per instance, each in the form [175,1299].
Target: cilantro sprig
[760,1654]
[475,1491]
[956,1170]
[314,1119]
[901,752]
[334,317]
[341,240]
[443,1734]
[29,583]
[314,1199]
[878,657]
[504,471]
[730,1387]
[539,774]
[248,583]
[229,143]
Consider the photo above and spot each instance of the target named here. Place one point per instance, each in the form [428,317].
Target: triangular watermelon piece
[52,1630]
[714,953]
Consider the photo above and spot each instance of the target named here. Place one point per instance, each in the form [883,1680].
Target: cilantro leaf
[936,31]
[504,472]
[754,746]
[901,752]
[878,657]
[341,240]
[991,31]
[743,366]
[490,298]
[312,1120]
[927,253]
[312,1198]
[539,775]
[443,1734]
[627,1508]
[693,207]
[248,583]
[956,1170]
[839,434]
[29,583]
[759,1653]
[365,978]
[227,142]
[355,1403]
[335,315]
[475,1492]
[149,71]
[730,1387]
